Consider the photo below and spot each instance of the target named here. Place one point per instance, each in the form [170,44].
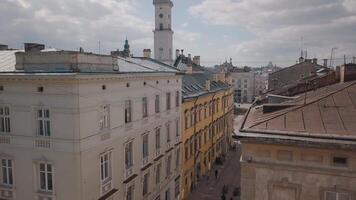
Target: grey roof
[182,62]
[194,85]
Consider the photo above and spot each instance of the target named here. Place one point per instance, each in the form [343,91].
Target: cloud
[278,26]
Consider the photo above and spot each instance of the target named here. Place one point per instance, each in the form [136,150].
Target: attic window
[103,87]
[1,88]
[40,89]
[157,82]
[340,161]
[144,83]
[167,81]
[127,84]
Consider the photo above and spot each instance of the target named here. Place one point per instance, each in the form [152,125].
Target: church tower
[163,34]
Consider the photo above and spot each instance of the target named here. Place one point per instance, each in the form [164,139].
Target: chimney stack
[177,53]
[3,47]
[325,62]
[196,60]
[34,47]
[207,85]
[147,53]
[315,60]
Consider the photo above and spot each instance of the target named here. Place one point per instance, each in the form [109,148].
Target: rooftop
[329,112]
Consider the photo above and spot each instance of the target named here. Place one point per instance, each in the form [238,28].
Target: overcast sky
[252,32]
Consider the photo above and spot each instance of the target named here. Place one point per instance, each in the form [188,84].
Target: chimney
[177,53]
[315,61]
[207,85]
[147,53]
[189,69]
[325,62]
[196,60]
[3,47]
[34,47]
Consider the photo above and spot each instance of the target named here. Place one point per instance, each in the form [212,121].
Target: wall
[293,172]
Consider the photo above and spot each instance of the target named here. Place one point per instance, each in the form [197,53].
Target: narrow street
[210,188]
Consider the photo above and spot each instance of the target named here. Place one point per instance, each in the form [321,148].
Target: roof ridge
[304,105]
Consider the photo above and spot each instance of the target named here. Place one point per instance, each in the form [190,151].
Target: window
[339,161]
[144,107]
[129,155]
[145,184]
[186,115]
[168,132]
[4,119]
[130,192]
[160,53]
[160,15]
[105,167]
[158,173]
[46,177]
[178,158]
[44,128]
[168,166]
[128,111]
[333,195]
[186,150]
[7,172]
[145,151]
[157,104]
[177,128]
[104,117]
[177,99]
[168,100]
[161,26]
[177,187]
[158,138]
[168,194]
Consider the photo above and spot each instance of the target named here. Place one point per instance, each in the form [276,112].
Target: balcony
[45,196]
[4,139]
[7,192]
[42,143]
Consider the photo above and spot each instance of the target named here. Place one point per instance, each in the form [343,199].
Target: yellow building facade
[207,124]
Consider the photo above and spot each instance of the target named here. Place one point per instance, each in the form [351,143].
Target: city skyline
[252,32]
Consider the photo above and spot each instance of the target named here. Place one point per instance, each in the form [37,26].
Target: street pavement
[210,188]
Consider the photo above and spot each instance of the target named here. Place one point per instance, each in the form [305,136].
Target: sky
[251,32]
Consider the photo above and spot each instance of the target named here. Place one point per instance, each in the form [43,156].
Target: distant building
[293,74]
[303,148]
[125,53]
[243,83]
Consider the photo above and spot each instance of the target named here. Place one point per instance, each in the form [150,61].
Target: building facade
[243,82]
[207,121]
[87,126]
[163,34]
[303,149]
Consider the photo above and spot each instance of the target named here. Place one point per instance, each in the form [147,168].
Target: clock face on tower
[161,15]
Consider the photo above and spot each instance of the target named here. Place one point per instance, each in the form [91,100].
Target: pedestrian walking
[216,174]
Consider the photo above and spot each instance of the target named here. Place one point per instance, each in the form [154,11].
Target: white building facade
[163,34]
[244,86]
[82,129]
